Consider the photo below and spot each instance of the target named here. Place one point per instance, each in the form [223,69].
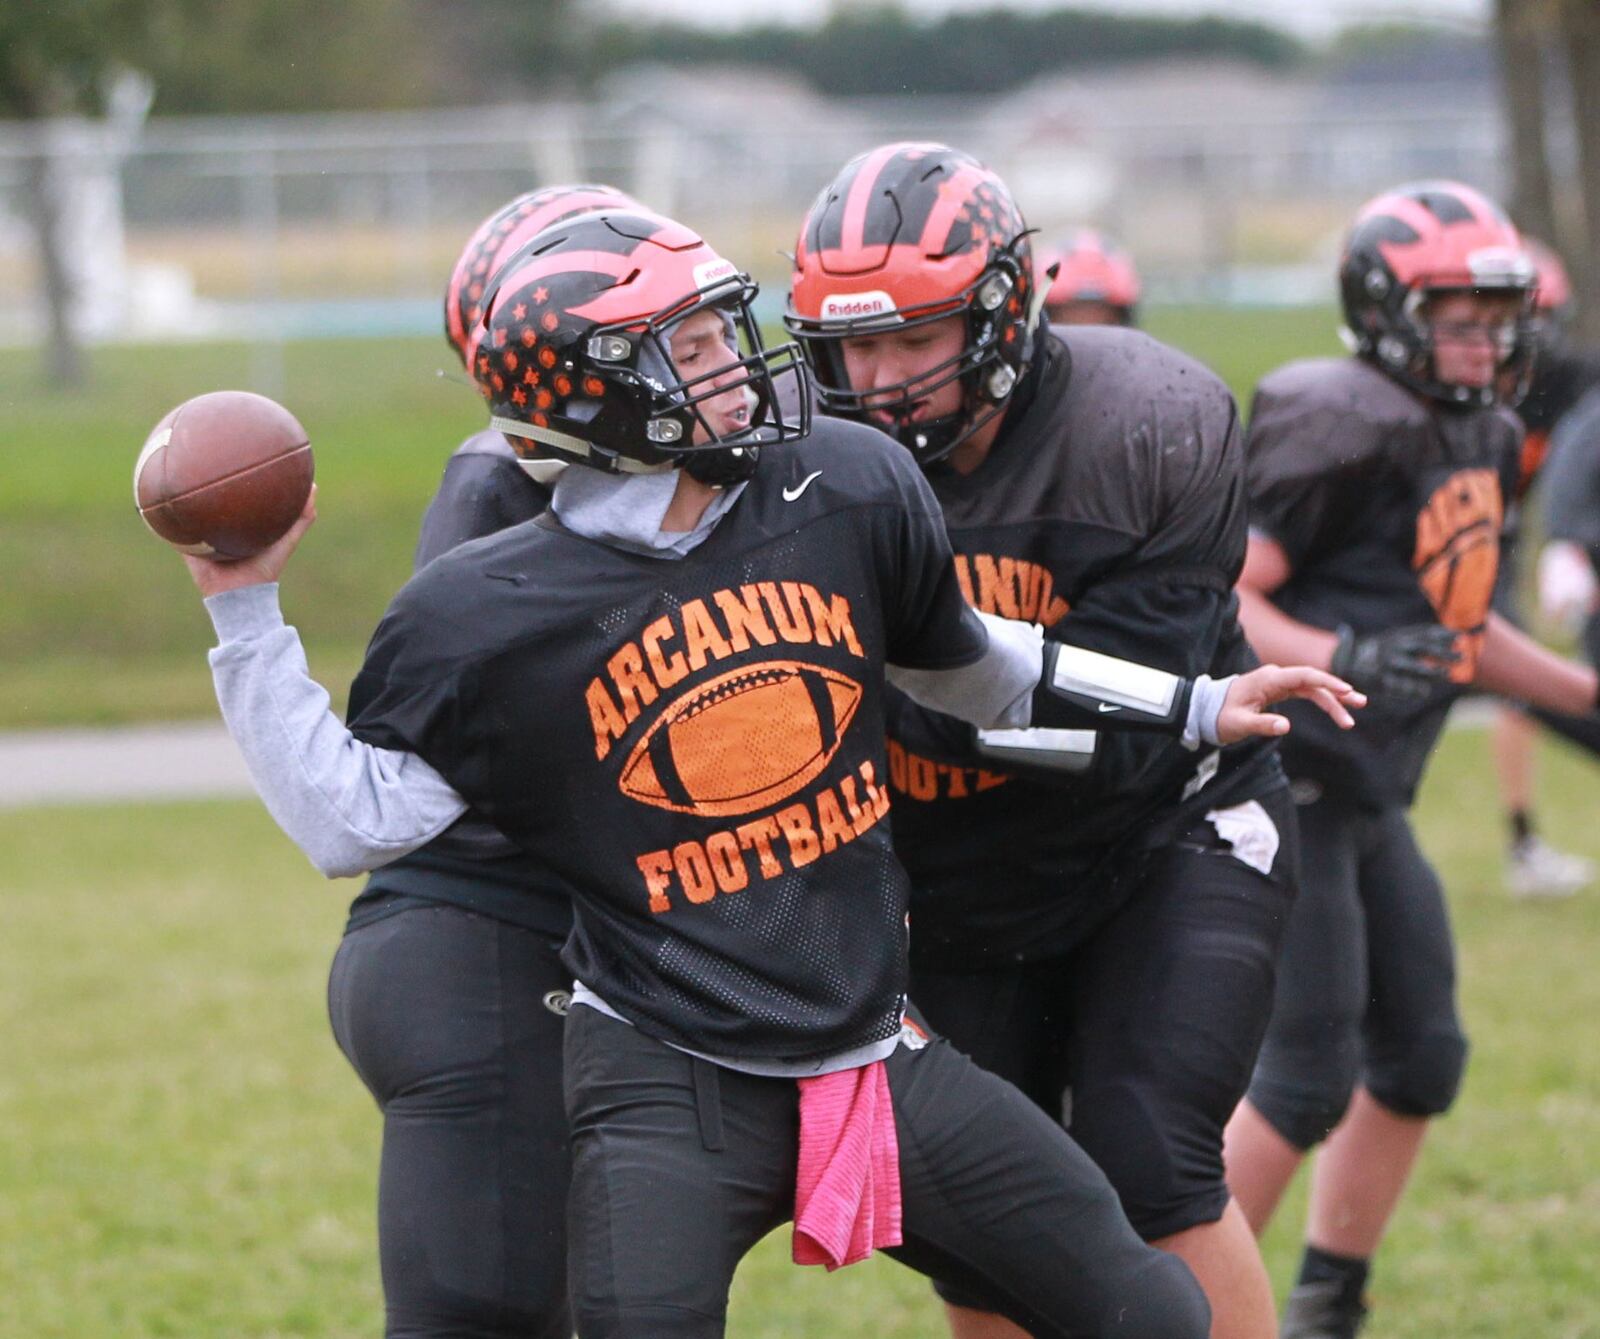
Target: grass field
[186,1154]
[100,622]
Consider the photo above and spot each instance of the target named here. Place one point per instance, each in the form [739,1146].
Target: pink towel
[847,1186]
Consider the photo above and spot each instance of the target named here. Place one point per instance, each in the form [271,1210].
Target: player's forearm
[349,806]
[1022,681]
[1081,689]
[1514,665]
[1279,639]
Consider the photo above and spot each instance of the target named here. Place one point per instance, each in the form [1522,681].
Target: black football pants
[1151,1023]
[442,1013]
[680,1167]
[1366,983]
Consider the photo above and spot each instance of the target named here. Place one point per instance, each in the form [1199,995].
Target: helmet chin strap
[721,468]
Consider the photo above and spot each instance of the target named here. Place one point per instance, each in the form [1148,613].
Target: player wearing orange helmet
[1089,913]
[1378,486]
[1094,282]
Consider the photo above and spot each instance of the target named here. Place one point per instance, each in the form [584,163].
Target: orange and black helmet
[504,233]
[573,350]
[908,234]
[1418,241]
[1090,267]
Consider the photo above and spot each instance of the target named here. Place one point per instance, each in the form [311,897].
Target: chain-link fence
[288,226]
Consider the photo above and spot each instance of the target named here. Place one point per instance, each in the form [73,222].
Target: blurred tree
[59,60]
[866,50]
[1580,22]
[295,55]
[1526,32]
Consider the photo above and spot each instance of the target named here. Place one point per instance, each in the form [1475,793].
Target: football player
[1560,377]
[1378,486]
[446,990]
[668,692]
[1569,589]
[1095,282]
[1109,929]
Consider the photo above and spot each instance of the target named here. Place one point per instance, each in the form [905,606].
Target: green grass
[186,1154]
[100,622]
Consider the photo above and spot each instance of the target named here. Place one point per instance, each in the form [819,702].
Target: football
[743,740]
[223,475]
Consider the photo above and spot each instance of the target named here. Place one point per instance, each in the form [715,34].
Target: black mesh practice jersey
[1111,509]
[1389,508]
[1561,377]
[693,749]
[472,864]
[1572,483]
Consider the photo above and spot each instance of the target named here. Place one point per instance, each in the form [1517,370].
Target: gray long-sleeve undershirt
[352,807]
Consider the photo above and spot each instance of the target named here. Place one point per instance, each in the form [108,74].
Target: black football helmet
[573,351]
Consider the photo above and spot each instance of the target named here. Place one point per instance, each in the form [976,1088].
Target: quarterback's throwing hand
[1244,710]
[214,577]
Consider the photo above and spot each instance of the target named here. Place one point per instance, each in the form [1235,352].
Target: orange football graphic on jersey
[1457,557]
[742,741]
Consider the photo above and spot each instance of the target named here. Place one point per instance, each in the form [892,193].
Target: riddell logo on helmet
[713,271]
[848,306]
[1502,264]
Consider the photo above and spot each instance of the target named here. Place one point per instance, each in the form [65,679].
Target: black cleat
[1321,1311]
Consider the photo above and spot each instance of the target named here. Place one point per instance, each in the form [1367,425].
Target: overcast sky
[1312,18]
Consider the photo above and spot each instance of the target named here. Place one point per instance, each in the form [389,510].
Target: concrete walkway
[186,760]
[192,760]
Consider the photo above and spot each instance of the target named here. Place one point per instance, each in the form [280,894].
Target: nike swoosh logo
[1106,706]
[790,494]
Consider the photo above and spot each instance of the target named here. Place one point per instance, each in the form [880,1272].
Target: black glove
[1402,663]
